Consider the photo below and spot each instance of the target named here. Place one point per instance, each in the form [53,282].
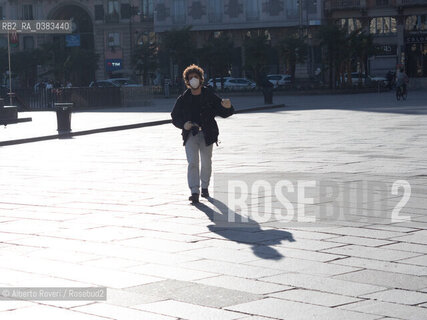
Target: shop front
[384,61]
[416,45]
[416,53]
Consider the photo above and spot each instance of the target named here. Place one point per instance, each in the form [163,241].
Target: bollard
[268,95]
[166,88]
[63,117]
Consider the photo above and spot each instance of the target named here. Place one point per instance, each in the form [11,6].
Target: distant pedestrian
[401,80]
[194,112]
[49,85]
[390,79]
[267,88]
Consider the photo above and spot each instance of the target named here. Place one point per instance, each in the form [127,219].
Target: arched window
[416,23]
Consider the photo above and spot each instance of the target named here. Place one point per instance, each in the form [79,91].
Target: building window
[125,11]
[252,10]
[350,24]
[27,12]
[383,26]
[381,3]
[99,12]
[146,37]
[179,11]
[113,11]
[215,11]
[416,23]
[312,6]
[114,39]
[292,7]
[147,11]
[28,43]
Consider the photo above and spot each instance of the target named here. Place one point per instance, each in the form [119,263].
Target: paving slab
[324,284]
[371,253]
[47,312]
[394,267]
[117,312]
[386,279]
[399,296]
[188,311]
[314,297]
[282,309]
[241,284]
[387,309]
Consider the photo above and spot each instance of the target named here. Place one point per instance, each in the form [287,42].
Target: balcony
[146,18]
[215,17]
[409,3]
[112,17]
[292,13]
[179,19]
[382,3]
[343,4]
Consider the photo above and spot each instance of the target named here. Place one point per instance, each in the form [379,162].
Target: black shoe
[194,198]
[205,193]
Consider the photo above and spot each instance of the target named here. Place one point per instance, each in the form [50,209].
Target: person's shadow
[235,227]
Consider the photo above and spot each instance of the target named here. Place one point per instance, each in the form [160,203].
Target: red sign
[14,39]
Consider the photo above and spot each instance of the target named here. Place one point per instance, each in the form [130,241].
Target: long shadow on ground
[235,227]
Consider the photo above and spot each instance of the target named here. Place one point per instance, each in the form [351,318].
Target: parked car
[368,80]
[217,81]
[279,80]
[115,82]
[239,84]
[382,81]
[102,84]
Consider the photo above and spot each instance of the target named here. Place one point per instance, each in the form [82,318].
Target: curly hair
[193,69]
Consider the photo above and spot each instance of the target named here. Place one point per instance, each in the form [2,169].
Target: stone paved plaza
[111,210]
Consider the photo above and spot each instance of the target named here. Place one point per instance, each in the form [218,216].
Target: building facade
[238,18]
[399,28]
[111,28]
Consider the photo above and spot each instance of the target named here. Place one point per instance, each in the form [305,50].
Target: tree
[24,65]
[364,49]
[343,50]
[79,65]
[75,64]
[178,47]
[293,50]
[217,55]
[257,52]
[3,61]
[332,39]
[145,59]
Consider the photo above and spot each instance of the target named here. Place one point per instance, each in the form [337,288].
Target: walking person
[401,81]
[194,112]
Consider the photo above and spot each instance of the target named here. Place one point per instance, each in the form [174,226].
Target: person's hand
[188,125]
[226,103]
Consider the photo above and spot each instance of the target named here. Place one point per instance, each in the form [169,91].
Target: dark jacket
[209,109]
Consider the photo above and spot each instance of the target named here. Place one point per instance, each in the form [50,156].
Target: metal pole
[300,17]
[10,71]
[131,30]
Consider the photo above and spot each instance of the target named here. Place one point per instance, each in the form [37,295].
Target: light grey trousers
[195,145]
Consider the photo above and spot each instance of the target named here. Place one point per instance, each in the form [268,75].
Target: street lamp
[133,12]
[10,69]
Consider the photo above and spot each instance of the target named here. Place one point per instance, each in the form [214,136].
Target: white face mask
[194,83]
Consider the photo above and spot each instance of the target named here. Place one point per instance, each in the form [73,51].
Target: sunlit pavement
[111,210]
